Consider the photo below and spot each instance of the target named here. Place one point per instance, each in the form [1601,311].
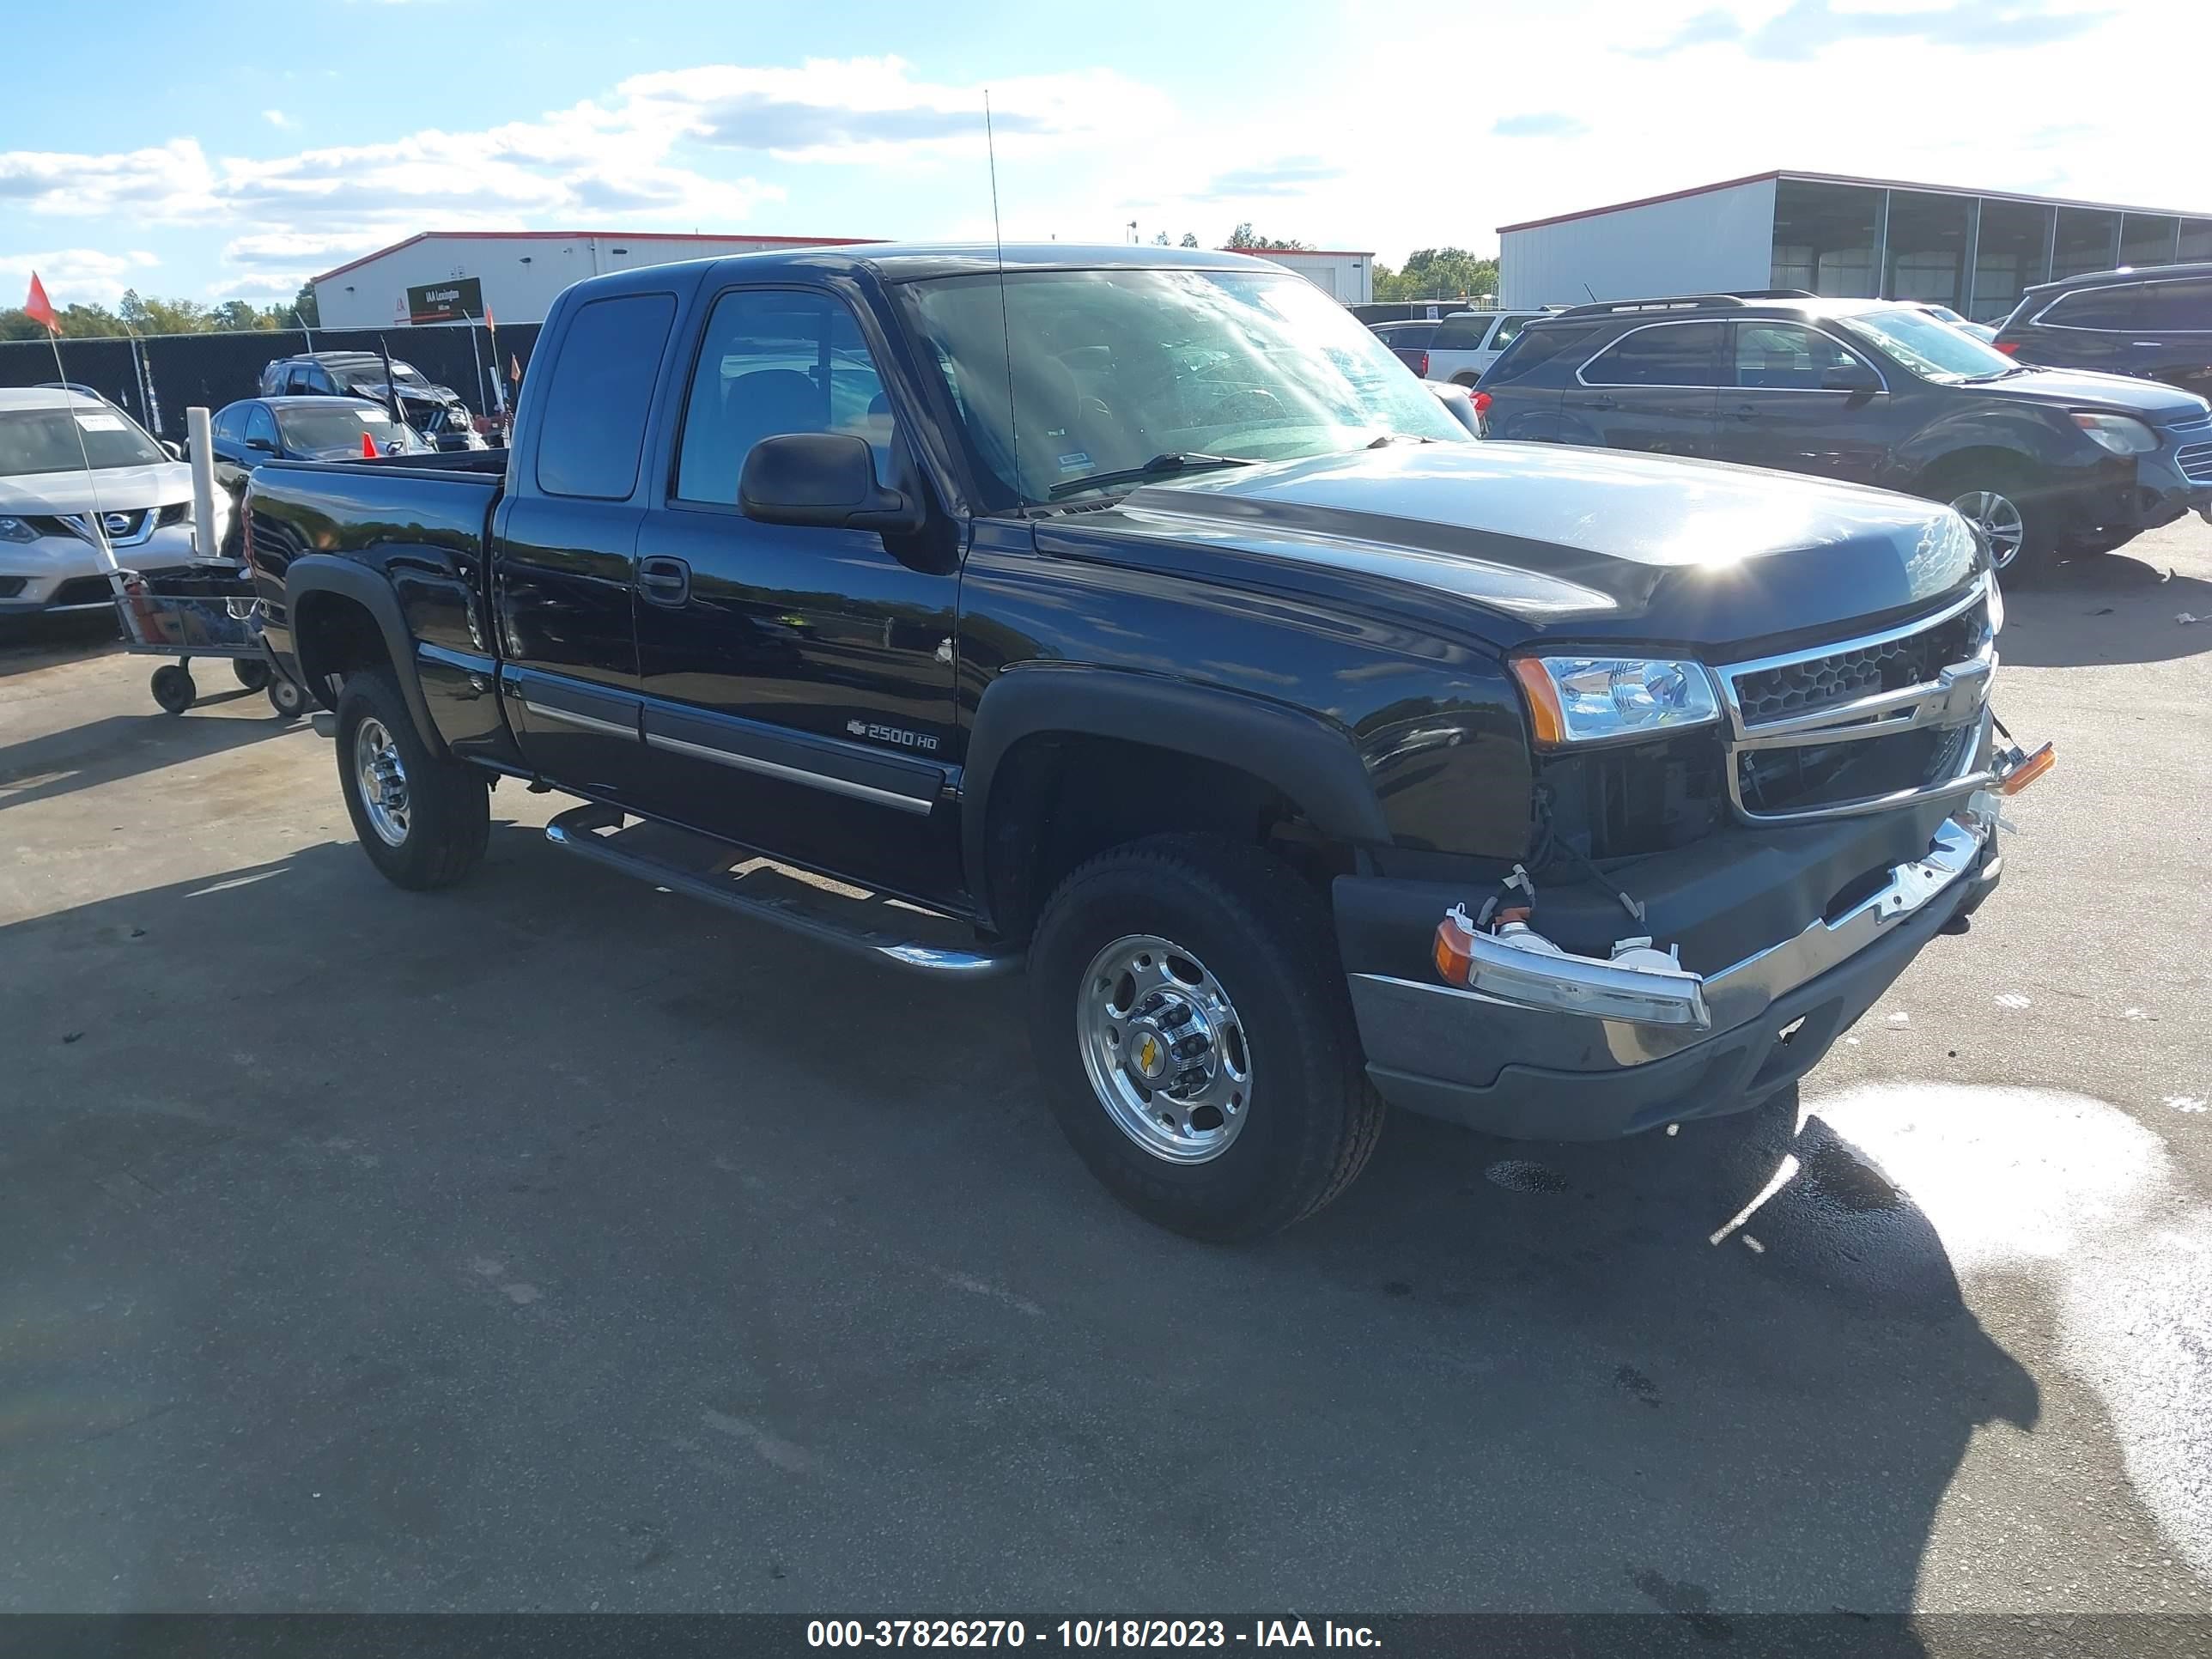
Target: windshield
[41,440]
[1110,369]
[404,376]
[1932,349]
[333,428]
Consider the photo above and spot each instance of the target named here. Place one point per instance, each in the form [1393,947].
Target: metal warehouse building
[1973,251]
[444,276]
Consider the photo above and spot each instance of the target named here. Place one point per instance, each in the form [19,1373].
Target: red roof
[600,236]
[1837,179]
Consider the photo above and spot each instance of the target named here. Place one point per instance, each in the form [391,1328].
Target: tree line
[137,314]
[1429,273]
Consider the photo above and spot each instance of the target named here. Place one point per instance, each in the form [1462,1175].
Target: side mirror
[1849,377]
[261,445]
[824,479]
[175,450]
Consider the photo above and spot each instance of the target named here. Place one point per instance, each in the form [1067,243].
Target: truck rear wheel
[423,819]
[1191,1025]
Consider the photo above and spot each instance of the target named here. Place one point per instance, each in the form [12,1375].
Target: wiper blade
[1173,461]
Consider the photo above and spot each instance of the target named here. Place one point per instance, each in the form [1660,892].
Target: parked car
[1127,612]
[1409,342]
[2155,321]
[2044,462]
[1468,342]
[50,557]
[295,428]
[435,412]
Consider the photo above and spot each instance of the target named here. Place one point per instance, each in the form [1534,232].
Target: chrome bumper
[1602,1013]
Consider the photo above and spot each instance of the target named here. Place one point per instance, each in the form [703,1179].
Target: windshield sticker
[1075,462]
[101,422]
[374,417]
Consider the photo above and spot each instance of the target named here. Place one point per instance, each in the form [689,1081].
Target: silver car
[49,548]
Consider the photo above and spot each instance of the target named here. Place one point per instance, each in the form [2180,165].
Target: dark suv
[2155,321]
[2044,462]
[434,411]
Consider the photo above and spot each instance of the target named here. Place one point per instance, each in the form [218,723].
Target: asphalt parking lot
[553,1243]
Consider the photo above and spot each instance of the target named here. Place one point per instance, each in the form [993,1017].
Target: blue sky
[262,144]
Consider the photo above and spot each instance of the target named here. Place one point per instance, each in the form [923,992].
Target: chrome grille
[1862,724]
[2195,461]
[1807,684]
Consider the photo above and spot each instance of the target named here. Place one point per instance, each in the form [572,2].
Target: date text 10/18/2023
[1085,1633]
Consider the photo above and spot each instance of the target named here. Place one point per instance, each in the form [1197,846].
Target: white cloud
[276,117]
[74,275]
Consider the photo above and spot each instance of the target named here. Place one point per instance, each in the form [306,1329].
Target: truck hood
[121,489]
[2076,388]
[1524,541]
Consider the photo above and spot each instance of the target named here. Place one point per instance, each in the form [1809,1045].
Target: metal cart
[201,610]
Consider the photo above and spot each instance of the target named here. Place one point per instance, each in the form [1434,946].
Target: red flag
[513,369]
[40,309]
[487,321]
[367,447]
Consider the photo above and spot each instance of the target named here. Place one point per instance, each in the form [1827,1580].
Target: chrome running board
[720,873]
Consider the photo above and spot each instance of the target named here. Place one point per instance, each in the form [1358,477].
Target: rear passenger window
[1461,333]
[2176,307]
[2096,307]
[593,423]
[1667,354]
[777,360]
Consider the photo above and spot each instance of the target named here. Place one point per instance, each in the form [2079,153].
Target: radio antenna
[1005,331]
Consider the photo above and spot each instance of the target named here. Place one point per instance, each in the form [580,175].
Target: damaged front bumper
[1564,1044]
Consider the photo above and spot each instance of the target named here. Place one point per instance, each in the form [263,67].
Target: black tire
[288,697]
[446,813]
[1962,485]
[253,672]
[173,687]
[1313,1119]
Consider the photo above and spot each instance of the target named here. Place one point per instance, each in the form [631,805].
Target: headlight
[2121,433]
[1591,699]
[14,529]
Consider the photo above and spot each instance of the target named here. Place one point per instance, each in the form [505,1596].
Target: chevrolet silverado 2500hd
[1134,612]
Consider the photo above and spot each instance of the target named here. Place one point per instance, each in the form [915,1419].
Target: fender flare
[325,573]
[1311,763]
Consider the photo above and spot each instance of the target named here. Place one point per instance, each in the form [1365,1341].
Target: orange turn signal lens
[1455,948]
[1548,720]
[2028,771]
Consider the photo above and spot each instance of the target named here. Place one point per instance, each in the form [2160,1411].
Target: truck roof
[913,261]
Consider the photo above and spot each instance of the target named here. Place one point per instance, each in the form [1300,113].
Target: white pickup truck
[1467,342]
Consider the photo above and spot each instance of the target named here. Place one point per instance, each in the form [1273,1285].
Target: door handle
[664,581]
[1595,403]
[1743,412]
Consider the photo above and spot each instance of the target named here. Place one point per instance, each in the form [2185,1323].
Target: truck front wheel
[423,819]
[1192,1027]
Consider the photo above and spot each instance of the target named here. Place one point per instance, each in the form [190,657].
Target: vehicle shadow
[2106,609]
[123,745]
[26,643]
[554,1242]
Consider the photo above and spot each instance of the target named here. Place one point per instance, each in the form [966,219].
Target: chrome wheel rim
[1997,516]
[1164,1049]
[383,781]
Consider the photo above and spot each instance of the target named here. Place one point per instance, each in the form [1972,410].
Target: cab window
[775,361]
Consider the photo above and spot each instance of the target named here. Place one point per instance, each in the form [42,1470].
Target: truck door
[565,538]
[798,681]
[1657,388]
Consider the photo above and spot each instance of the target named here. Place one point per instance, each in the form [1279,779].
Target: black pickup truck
[1132,614]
